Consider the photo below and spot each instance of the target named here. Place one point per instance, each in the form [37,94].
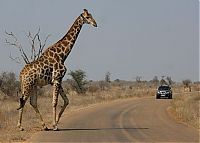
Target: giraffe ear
[85,11]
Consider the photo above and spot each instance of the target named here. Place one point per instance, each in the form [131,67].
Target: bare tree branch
[34,41]
[17,44]
[29,36]
[16,59]
[42,45]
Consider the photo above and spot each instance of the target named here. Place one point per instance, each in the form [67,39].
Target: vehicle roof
[164,85]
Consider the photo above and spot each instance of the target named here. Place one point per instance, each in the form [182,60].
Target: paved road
[129,120]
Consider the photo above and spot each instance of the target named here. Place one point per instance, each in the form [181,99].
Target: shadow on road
[100,129]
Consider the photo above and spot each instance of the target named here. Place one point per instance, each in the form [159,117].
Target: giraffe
[49,68]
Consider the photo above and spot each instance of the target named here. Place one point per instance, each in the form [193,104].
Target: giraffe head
[87,18]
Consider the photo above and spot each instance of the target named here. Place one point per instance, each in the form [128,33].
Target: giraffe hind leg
[66,102]
[33,102]
[22,102]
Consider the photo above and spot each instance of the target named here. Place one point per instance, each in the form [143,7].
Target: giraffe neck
[68,41]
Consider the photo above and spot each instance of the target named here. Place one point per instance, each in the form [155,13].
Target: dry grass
[185,108]
[9,114]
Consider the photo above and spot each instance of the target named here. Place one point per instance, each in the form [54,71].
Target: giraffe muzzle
[94,24]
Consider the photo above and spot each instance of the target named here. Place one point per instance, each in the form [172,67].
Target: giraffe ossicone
[49,68]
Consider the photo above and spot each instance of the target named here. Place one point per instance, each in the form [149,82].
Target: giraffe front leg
[56,88]
[66,102]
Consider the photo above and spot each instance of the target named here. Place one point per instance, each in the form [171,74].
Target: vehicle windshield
[164,88]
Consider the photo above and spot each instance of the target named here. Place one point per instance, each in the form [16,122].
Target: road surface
[127,120]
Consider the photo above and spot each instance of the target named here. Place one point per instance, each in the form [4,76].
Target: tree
[107,76]
[163,82]
[169,80]
[187,83]
[8,83]
[155,80]
[138,79]
[36,46]
[78,81]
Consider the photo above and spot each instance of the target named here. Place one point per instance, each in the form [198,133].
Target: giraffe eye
[88,16]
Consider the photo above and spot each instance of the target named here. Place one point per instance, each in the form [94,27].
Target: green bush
[78,82]
[9,84]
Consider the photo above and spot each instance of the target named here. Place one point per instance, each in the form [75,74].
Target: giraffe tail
[21,103]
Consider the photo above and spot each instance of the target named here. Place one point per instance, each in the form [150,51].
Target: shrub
[8,83]
[78,81]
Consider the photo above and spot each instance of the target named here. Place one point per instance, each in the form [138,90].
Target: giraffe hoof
[21,129]
[55,128]
[46,129]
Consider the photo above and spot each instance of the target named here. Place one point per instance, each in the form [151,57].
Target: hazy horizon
[133,38]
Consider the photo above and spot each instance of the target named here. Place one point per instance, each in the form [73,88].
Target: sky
[143,38]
